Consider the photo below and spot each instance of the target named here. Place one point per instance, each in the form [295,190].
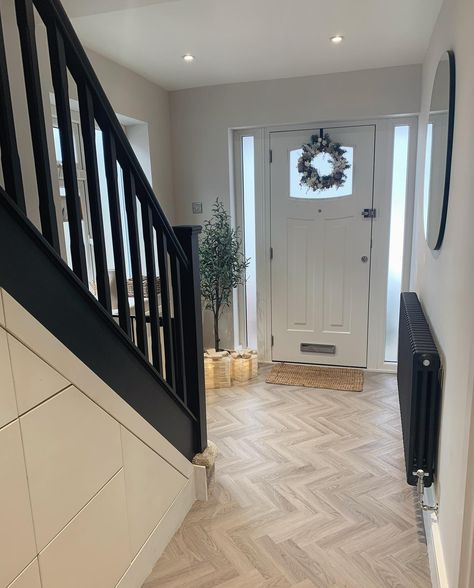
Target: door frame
[384,133]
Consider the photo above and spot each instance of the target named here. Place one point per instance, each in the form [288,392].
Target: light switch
[197,207]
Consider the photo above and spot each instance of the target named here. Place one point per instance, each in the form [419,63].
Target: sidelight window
[397,238]
[248,189]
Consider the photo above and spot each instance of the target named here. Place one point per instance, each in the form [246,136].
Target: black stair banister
[57,57]
[8,145]
[151,354]
[26,26]
[81,68]
[61,303]
[192,323]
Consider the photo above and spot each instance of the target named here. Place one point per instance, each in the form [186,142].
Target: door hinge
[271,252]
[369,213]
[273,340]
[271,156]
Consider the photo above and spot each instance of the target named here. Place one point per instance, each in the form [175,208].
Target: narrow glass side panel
[397,233]
[248,184]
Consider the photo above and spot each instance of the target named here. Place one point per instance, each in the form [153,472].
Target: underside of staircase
[151,354]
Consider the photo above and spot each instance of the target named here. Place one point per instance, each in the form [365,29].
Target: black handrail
[80,67]
[161,333]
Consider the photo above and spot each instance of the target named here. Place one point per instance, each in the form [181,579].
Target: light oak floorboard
[310,492]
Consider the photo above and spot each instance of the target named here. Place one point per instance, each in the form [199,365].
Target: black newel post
[188,236]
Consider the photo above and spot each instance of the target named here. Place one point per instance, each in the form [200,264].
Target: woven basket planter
[244,365]
[131,291]
[217,369]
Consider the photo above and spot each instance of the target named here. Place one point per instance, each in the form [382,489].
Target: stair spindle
[110,156]
[74,208]
[163,264]
[26,26]
[178,337]
[86,107]
[8,145]
[133,235]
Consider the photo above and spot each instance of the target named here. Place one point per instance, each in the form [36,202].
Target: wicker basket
[217,369]
[131,291]
[244,365]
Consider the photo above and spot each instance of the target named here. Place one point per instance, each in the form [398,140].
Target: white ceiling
[77,8]
[248,40]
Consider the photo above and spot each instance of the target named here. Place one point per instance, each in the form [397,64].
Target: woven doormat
[312,376]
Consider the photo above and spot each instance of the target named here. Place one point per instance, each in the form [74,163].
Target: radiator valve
[420,474]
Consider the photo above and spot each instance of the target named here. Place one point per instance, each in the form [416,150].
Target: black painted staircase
[150,354]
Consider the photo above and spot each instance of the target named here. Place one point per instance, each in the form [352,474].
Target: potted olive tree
[223,266]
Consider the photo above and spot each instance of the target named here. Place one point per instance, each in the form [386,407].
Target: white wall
[445,280]
[134,96]
[201,119]
[90,493]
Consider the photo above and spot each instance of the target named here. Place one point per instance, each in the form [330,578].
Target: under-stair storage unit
[90,492]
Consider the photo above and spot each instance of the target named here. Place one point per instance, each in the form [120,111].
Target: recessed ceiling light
[188,58]
[337,39]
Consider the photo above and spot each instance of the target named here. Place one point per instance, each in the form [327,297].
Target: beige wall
[202,117]
[135,97]
[445,279]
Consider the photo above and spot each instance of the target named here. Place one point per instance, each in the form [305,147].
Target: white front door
[321,252]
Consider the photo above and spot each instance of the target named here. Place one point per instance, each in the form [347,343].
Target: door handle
[369,213]
[364,259]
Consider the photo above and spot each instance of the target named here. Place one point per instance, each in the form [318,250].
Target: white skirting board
[439,577]
[200,482]
[142,565]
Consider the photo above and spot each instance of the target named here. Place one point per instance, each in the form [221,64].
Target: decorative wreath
[310,176]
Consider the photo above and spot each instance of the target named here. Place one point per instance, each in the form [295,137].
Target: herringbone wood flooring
[309,492]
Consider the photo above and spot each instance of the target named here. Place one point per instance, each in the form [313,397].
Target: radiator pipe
[420,474]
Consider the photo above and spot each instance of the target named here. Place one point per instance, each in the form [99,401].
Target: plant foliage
[222,262]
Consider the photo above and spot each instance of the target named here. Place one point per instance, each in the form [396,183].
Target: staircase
[149,353]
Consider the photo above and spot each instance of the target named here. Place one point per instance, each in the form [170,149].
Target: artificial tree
[223,263]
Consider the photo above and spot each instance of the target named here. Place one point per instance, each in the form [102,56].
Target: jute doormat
[313,376]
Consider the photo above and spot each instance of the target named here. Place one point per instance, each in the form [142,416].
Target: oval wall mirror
[439,146]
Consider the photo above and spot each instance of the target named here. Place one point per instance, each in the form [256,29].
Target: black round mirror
[439,146]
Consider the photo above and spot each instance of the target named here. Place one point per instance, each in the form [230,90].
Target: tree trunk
[216,332]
